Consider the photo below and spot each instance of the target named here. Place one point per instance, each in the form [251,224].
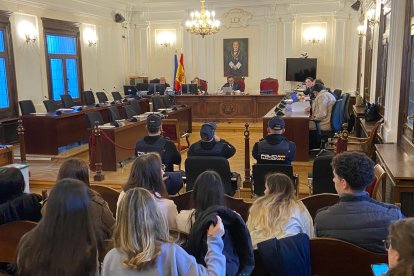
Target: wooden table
[229,108]
[297,130]
[126,137]
[398,162]
[44,134]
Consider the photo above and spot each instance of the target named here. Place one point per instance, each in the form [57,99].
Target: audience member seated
[143,245]
[321,111]
[208,191]
[210,144]
[63,242]
[400,247]
[155,142]
[278,214]
[274,148]
[101,214]
[230,83]
[14,204]
[146,172]
[309,86]
[356,218]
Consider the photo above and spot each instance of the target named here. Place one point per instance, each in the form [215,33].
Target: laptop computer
[227,89]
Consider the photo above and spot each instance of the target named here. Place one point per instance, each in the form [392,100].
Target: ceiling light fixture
[203,22]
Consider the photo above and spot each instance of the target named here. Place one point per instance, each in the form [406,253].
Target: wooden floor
[44,173]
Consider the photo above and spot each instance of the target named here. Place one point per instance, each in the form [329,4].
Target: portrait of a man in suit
[235,53]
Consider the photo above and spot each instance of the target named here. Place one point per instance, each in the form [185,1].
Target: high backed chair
[101,97]
[195,165]
[50,105]
[315,202]
[366,145]
[171,130]
[182,201]
[129,111]
[337,93]
[10,235]
[135,106]
[373,188]
[157,103]
[27,107]
[204,85]
[238,205]
[113,113]
[116,95]
[340,258]
[94,117]
[240,80]
[269,84]
[321,178]
[88,97]
[260,171]
[345,97]
[167,100]
[67,101]
[108,194]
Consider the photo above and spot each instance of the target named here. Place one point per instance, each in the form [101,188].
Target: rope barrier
[104,135]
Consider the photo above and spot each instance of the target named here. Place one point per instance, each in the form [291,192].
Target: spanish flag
[180,75]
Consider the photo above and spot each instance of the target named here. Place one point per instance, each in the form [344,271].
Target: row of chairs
[267,85]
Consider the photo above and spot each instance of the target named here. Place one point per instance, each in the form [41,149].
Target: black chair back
[129,111]
[322,175]
[67,101]
[116,95]
[27,107]
[101,97]
[315,202]
[51,106]
[167,101]
[337,93]
[88,98]
[345,98]
[113,113]
[260,171]
[195,165]
[135,106]
[94,117]
[157,103]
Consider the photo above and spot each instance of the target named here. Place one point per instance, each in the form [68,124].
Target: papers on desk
[39,113]
[165,109]
[64,109]
[140,117]
[300,106]
[106,126]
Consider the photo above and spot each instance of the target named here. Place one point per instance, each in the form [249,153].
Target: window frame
[12,111]
[69,29]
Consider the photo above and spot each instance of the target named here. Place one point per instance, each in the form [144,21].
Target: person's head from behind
[319,81]
[74,168]
[208,191]
[279,185]
[162,80]
[353,172]
[66,232]
[309,82]
[11,184]
[401,246]
[140,228]
[317,88]
[276,125]
[196,80]
[146,172]
[236,46]
[154,122]
[208,131]
[230,80]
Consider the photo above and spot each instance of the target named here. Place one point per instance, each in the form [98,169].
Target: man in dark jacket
[210,144]
[155,142]
[356,218]
[274,148]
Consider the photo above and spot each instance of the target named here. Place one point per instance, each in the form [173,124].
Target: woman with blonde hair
[147,173]
[142,245]
[400,247]
[278,213]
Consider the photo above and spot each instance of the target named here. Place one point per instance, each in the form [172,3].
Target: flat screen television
[298,69]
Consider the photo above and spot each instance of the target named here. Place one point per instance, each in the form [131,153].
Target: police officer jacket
[275,148]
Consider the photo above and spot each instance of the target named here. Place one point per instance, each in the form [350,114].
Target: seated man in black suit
[274,148]
[163,81]
[155,142]
[230,83]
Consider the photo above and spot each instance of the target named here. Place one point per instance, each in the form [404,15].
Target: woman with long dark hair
[63,242]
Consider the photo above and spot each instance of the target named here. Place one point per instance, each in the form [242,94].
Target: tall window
[8,93]
[63,58]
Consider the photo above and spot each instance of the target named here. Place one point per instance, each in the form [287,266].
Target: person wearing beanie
[274,148]
[155,142]
[210,144]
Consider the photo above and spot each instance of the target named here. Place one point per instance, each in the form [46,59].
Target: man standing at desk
[274,148]
[210,144]
[155,142]
[230,83]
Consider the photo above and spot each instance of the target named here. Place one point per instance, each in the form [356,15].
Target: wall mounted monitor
[298,69]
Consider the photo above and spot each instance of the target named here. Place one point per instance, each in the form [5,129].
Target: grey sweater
[173,260]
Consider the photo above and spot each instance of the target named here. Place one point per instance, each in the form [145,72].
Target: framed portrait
[235,57]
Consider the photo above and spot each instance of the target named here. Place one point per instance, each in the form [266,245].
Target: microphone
[107,94]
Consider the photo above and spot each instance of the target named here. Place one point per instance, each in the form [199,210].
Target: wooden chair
[340,258]
[314,202]
[380,175]
[109,195]
[171,130]
[240,80]
[238,205]
[366,145]
[204,85]
[10,235]
[182,201]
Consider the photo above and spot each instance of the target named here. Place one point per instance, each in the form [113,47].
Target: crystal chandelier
[203,22]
